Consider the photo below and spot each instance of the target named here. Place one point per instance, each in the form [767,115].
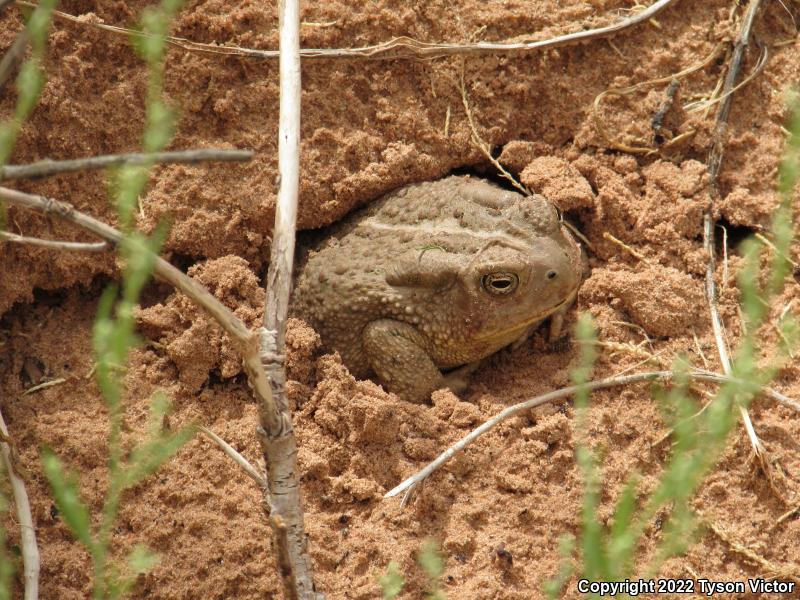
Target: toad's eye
[500,283]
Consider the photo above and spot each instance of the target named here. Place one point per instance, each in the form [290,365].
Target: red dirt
[369,127]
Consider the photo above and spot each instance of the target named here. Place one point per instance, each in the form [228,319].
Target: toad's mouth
[519,327]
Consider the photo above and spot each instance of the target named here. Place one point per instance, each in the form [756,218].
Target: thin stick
[616,381]
[400,47]
[480,144]
[46,168]
[769,392]
[44,385]
[240,460]
[706,104]
[245,340]
[27,533]
[633,251]
[714,164]
[276,432]
[55,244]
[786,516]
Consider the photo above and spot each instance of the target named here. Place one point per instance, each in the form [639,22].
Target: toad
[435,276]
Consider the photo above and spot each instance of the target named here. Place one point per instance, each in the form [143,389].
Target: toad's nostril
[551,274]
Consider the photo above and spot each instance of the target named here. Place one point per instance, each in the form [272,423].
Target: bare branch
[46,168]
[27,534]
[276,432]
[240,460]
[617,381]
[54,244]
[400,47]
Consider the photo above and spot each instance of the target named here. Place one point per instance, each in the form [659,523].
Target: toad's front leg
[396,352]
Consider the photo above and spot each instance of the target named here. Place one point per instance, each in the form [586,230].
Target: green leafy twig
[114,336]
[432,562]
[392,582]
[29,85]
[31,78]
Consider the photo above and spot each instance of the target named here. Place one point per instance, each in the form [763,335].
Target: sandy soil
[369,127]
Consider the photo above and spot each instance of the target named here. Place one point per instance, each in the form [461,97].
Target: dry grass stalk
[714,163]
[768,242]
[630,349]
[668,433]
[400,47]
[632,251]
[715,99]
[786,516]
[55,244]
[240,460]
[30,551]
[482,145]
[699,348]
[44,385]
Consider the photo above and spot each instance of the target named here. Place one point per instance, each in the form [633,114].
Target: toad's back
[435,275]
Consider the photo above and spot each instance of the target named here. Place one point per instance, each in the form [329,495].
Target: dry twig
[27,533]
[400,47]
[46,168]
[276,432]
[55,244]
[240,460]
[714,164]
